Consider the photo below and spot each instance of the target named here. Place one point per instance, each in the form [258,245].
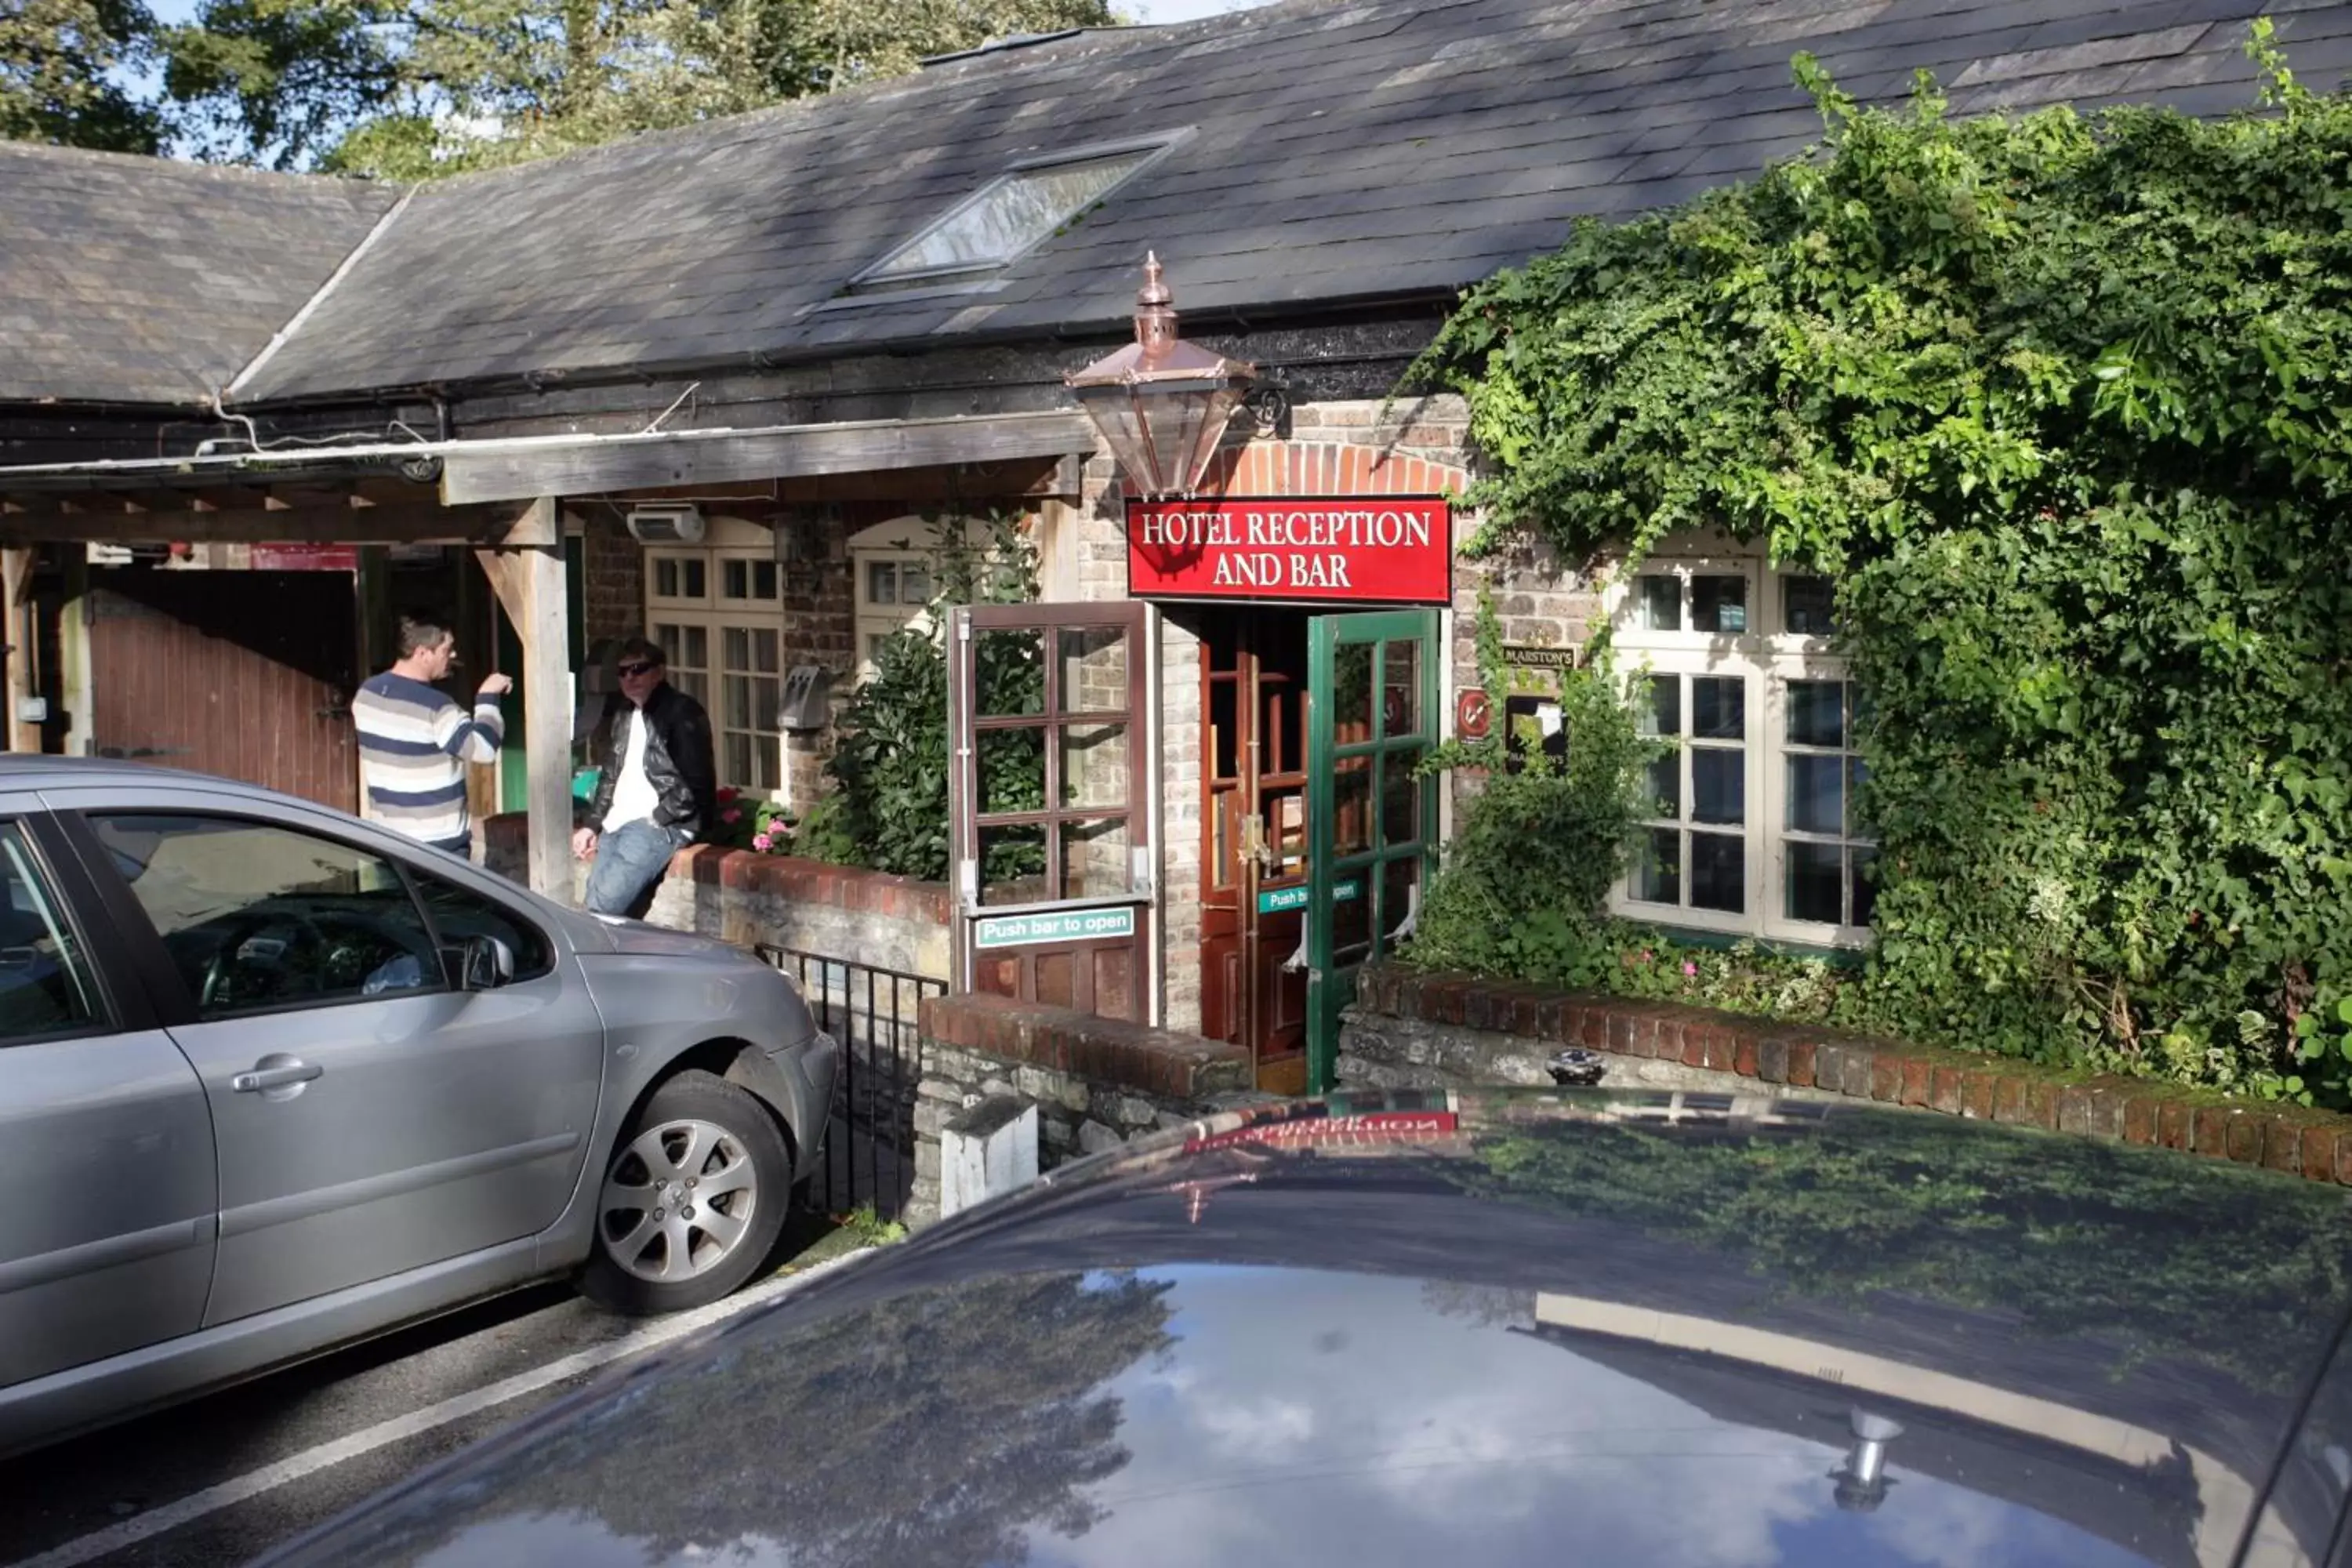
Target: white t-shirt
[633,799]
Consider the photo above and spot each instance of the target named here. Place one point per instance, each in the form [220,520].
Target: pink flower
[759,841]
[730,817]
[1690,969]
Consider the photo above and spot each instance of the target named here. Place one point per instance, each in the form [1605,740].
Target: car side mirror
[484,964]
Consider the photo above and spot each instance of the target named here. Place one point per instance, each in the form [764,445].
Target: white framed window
[1755,832]
[894,566]
[717,610]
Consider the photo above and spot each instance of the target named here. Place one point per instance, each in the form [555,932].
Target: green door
[1371,715]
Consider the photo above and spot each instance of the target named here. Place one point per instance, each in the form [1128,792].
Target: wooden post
[526,570]
[23,638]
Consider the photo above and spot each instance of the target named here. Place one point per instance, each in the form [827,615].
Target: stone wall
[839,912]
[1418,1028]
[1096,1082]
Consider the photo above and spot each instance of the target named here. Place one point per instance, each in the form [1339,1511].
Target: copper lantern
[1160,403]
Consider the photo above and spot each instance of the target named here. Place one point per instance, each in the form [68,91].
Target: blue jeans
[628,866]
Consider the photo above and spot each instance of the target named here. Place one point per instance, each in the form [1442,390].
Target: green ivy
[888,806]
[2064,403]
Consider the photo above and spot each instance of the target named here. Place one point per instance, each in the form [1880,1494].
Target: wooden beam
[413,523]
[528,580]
[592,466]
[16,579]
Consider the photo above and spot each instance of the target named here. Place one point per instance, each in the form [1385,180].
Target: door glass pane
[1400,688]
[1663,715]
[1351,925]
[1718,872]
[1094,670]
[1807,605]
[1011,769]
[1816,712]
[1658,603]
[1352,806]
[1658,875]
[1351,692]
[1094,764]
[1815,871]
[1401,796]
[1719,605]
[1013,865]
[254,916]
[1718,707]
[1008,672]
[1719,785]
[1225,735]
[1095,859]
[45,984]
[1816,795]
[1400,897]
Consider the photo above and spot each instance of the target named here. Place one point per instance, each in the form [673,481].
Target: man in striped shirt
[415,742]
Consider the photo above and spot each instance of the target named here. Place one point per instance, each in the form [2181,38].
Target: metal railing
[870,1139]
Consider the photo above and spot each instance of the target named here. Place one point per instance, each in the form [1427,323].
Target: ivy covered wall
[2063,404]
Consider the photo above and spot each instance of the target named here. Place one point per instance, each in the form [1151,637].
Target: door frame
[1329,983]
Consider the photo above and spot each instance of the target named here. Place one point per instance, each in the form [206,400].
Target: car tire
[691,1200]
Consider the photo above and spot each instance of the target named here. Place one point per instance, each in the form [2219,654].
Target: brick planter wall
[1096,1082]
[837,911]
[1458,1031]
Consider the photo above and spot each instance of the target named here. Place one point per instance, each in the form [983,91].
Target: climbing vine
[2064,404]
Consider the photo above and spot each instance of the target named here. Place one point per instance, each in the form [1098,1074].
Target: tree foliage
[2065,403]
[57,58]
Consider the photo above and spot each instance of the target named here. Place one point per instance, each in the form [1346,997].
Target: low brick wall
[1096,1082]
[1417,1028]
[837,911]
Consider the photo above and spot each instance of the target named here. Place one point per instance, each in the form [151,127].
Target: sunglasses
[638,667]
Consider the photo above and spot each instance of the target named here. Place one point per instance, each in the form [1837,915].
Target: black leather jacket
[679,760]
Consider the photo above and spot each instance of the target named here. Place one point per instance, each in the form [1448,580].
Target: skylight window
[997,224]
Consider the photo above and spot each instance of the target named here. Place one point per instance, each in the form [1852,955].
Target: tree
[55,86]
[410,89]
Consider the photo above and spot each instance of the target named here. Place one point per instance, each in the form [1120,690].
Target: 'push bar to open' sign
[1377,549]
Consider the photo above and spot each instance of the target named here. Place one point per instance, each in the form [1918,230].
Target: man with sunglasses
[657,784]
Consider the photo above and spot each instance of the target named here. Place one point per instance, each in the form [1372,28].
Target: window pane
[1857,773]
[1807,605]
[1719,605]
[767,696]
[914,584]
[696,580]
[874,641]
[1815,871]
[1817,795]
[1658,877]
[695,642]
[1663,715]
[1719,785]
[736,645]
[1666,784]
[1719,707]
[763,580]
[1864,879]
[1094,670]
[1718,872]
[44,982]
[735,579]
[666,583]
[1094,764]
[1351,804]
[1658,603]
[1816,712]
[1095,859]
[1400,688]
[763,651]
[460,912]
[735,760]
[881,583]
[735,701]
[694,683]
[254,916]
[1007,217]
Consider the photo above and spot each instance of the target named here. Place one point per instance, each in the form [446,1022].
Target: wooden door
[1253,851]
[246,675]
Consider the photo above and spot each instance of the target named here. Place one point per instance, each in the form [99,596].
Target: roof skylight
[997,224]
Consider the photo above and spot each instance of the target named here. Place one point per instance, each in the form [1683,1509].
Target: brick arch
[1328,468]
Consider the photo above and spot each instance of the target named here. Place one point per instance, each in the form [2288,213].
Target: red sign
[306,558]
[1392,549]
[1472,715]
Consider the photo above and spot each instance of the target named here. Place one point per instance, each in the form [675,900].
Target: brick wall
[1096,1082]
[1460,1031]
[613,590]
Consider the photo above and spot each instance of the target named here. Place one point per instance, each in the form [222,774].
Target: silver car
[272,1079]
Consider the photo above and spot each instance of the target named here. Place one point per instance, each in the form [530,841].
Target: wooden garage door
[248,675]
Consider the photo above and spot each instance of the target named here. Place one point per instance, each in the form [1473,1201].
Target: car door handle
[285,1075]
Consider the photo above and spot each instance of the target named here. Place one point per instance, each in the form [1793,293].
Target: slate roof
[129,279]
[1337,152]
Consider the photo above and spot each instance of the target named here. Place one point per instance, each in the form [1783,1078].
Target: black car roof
[2094,1352]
